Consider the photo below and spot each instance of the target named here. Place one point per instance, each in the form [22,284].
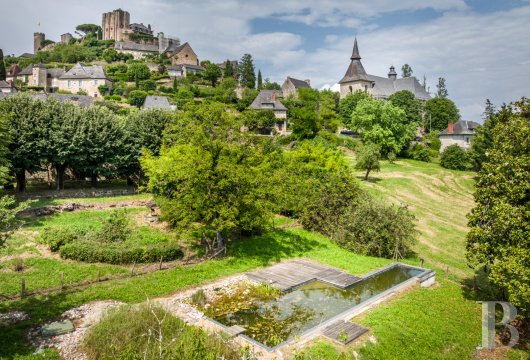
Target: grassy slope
[440,199]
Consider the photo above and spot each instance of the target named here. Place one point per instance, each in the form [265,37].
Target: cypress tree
[246,69]
[229,69]
[260,80]
[2,66]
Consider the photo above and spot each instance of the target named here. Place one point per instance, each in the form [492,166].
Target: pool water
[274,321]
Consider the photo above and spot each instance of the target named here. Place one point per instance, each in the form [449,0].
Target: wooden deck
[343,332]
[290,274]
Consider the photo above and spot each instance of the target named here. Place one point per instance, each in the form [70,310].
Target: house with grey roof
[270,100]
[38,75]
[460,133]
[183,70]
[291,85]
[136,50]
[356,79]
[86,79]
[7,88]
[157,102]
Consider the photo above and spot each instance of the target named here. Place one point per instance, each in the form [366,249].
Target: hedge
[119,254]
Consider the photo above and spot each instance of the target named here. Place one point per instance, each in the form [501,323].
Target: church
[379,87]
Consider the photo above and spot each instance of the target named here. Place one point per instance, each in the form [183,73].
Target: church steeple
[355,54]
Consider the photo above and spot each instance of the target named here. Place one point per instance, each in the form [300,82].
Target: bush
[116,228]
[419,152]
[370,227]
[112,253]
[55,238]
[137,97]
[455,158]
[18,264]
[149,332]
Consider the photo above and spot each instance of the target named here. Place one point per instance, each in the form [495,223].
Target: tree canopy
[348,104]
[246,72]
[406,70]
[441,89]
[406,100]
[439,112]
[212,73]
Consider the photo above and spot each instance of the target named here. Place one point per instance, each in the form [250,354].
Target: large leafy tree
[99,140]
[500,222]
[2,66]
[406,70]
[408,102]
[212,73]
[138,72]
[88,28]
[441,88]
[209,172]
[483,139]
[348,104]
[382,123]
[439,112]
[247,72]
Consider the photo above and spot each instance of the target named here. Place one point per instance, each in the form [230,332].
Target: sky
[481,47]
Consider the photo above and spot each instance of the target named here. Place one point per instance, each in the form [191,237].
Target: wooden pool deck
[290,274]
[343,331]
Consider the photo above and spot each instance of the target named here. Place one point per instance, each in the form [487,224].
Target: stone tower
[115,25]
[38,41]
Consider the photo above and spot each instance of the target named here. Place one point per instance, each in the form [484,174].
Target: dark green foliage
[483,139]
[370,227]
[148,85]
[225,92]
[268,85]
[420,152]
[248,96]
[368,159]
[116,227]
[9,222]
[441,91]
[260,80]
[406,100]
[246,72]
[88,28]
[137,97]
[499,237]
[406,70]
[56,238]
[149,332]
[455,158]
[212,73]
[113,253]
[137,72]
[348,104]
[255,120]
[111,55]
[229,69]
[439,112]
[2,66]
[69,53]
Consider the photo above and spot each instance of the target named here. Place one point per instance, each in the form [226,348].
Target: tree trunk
[59,176]
[21,181]
[366,176]
[220,241]
[94,180]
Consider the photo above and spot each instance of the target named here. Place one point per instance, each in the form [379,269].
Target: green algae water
[272,322]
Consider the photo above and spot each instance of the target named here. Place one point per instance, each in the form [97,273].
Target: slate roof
[81,100]
[264,101]
[234,63]
[461,127]
[85,72]
[179,67]
[55,73]
[298,83]
[384,87]
[28,70]
[122,45]
[4,84]
[156,102]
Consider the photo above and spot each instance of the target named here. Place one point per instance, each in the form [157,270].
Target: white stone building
[460,133]
[84,78]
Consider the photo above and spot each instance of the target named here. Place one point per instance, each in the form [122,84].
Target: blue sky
[482,48]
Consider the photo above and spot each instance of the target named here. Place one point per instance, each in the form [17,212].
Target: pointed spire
[355,54]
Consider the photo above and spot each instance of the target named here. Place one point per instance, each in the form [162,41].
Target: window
[69,83]
[80,83]
[351,88]
[96,82]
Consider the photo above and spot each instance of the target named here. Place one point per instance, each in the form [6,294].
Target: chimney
[273,97]
[308,82]
[450,127]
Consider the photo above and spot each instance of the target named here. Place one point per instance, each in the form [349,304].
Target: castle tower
[392,74]
[38,41]
[355,78]
[115,24]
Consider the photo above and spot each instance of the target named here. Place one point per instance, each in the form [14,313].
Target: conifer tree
[2,66]
[247,74]
[442,89]
[229,69]
[260,80]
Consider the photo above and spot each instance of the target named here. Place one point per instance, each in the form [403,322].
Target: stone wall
[76,193]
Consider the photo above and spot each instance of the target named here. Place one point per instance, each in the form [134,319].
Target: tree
[406,100]
[260,80]
[9,208]
[348,104]
[483,138]
[499,236]
[137,97]
[212,173]
[268,85]
[439,112]
[138,72]
[406,70]
[2,66]
[255,120]
[368,159]
[110,55]
[99,142]
[382,123]
[303,113]
[441,88]
[246,72]
[212,73]
[455,158]
[148,85]
[88,28]
[175,85]
[229,69]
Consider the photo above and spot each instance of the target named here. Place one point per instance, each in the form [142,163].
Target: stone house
[270,100]
[183,70]
[291,85]
[234,63]
[39,75]
[136,50]
[7,87]
[183,55]
[84,78]
[12,73]
[460,133]
[378,87]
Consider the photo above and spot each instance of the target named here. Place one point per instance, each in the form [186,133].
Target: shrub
[368,159]
[370,227]
[55,238]
[137,97]
[454,157]
[115,228]
[112,253]
[199,298]
[149,332]
[18,264]
[419,152]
